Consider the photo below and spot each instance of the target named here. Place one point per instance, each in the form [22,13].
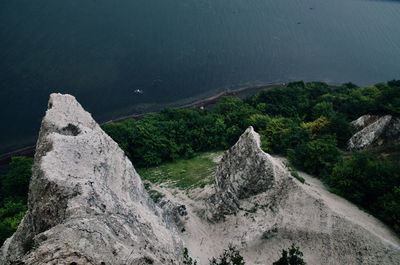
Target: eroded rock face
[374,131]
[87,204]
[364,121]
[175,213]
[281,211]
[245,170]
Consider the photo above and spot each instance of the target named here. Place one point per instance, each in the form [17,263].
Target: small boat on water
[138,91]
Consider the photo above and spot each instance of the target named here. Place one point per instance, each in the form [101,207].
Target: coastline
[202,102]
[205,102]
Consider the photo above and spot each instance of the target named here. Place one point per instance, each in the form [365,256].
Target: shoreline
[201,102]
[29,151]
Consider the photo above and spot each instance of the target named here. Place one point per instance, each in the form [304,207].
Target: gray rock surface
[87,204]
[364,121]
[245,170]
[174,213]
[281,211]
[374,131]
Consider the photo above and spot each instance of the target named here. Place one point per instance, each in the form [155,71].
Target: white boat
[138,91]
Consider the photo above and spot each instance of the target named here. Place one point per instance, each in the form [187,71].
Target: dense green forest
[307,122]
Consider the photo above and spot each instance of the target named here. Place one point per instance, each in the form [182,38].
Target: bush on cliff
[230,256]
[294,257]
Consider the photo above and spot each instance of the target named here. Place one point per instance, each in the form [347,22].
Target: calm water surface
[101,51]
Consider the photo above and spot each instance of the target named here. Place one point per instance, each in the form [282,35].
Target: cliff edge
[87,204]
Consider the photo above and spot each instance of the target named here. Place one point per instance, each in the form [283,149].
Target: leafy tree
[283,133]
[120,133]
[10,216]
[317,156]
[187,260]
[232,135]
[394,83]
[285,101]
[259,121]
[340,127]
[387,207]
[364,100]
[390,99]
[293,256]
[231,256]
[315,127]
[371,182]
[14,185]
[14,194]
[323,108]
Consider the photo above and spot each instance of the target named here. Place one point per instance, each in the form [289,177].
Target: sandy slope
[328,229]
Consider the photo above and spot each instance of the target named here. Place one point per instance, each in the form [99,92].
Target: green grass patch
[154,195]
[294,172]
[183,173]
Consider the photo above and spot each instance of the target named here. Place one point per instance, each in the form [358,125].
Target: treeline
[307,122]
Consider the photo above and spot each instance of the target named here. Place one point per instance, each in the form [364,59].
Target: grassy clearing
[184,173]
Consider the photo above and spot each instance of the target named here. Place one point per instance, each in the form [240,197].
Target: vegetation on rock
[187,260]
[294,257]
[230,256]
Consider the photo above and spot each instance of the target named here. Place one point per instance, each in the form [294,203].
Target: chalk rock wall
[245,170]
[259,207]
[87,204]
[374,131]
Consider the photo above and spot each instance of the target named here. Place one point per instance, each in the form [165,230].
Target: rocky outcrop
[372,131]
[262,209]
[175,213]
[87,204]
[245,170]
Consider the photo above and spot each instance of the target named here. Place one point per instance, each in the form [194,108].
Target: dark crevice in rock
[71,130]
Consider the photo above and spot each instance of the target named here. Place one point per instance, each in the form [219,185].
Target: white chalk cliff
[372,131]
[87,204]
[245,170]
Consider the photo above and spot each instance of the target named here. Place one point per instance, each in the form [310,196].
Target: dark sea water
[102,50]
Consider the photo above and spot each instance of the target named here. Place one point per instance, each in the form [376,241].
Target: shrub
[187,260]
[231,256]
[317,156]
[10,217]
[294,257]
